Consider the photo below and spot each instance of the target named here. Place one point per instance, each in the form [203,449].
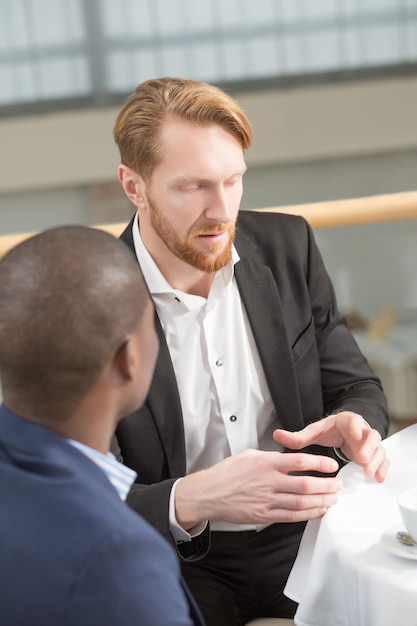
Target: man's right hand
[256,487]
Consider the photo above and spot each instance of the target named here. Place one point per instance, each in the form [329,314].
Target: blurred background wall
[329,85]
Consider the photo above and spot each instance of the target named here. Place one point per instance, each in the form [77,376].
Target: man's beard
[185,250]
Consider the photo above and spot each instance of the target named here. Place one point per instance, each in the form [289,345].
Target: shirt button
[219,362]
[233,418]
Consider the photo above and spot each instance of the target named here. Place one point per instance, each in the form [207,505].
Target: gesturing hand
[347,431]
[256,487]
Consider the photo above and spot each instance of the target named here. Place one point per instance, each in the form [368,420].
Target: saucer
[394,546]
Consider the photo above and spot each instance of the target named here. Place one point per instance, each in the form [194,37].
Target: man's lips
[214,239]
[211,230]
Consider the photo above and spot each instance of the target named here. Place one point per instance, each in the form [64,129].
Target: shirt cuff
[178,533]
[340,455]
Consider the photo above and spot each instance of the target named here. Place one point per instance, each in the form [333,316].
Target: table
[344,574]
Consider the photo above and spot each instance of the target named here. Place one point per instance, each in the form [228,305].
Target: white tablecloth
[344,575]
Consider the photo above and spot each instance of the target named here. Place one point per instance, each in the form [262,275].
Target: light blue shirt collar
[120,476]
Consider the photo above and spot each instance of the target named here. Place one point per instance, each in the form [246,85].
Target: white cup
[407,503]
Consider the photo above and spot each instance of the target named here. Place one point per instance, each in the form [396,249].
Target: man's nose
[219,206]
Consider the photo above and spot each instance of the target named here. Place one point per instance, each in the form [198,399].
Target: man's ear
[124,378]
[123,366]
[133,185]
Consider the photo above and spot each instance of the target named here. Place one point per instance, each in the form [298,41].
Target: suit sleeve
[348,383]
[130,580]
[151,501]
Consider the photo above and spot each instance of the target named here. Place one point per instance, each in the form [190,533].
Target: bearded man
[259,386]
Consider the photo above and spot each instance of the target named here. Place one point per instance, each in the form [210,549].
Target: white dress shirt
[225,400]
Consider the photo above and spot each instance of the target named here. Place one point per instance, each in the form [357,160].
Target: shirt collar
[120,476]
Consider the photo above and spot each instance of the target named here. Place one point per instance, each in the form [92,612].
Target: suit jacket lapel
[164,403]
[263,306]
[163,399]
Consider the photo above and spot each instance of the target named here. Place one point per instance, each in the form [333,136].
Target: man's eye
[233,181]
[191,187]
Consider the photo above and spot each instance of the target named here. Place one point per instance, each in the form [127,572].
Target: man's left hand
[347,431]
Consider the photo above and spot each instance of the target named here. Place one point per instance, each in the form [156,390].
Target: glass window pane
[118,71]
[4,32]
[24,81]
[7,91]
[75,19]
[320,8]
[294,54]
[144,65]
[169,17]
[229,13]
[211,40]
[203,62]
[291,10]
[125,69]
[260,12]
[136,19]
[15,21]
[412,40]
[378,5]
[350,7]
[199,15]
[382,44]
[174,61]
[233,66]
[354,48]
[62,77]
[323,51]
[263,56]
[55,22]
[17,82]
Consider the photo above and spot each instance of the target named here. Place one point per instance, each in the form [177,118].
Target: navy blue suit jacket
[72,553]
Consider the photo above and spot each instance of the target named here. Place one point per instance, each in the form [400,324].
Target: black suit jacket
[312,364]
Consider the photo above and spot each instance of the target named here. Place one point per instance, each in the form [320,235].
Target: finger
[304,502]
[286,438]
[291,516]
[382,471]
[378,465]
[299,439]
[303,462]
[306,486]
[357,426]
[369,446]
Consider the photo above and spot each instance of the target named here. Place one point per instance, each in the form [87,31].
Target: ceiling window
[91,51]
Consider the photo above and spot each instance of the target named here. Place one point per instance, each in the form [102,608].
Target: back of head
[69,296]
[138,124]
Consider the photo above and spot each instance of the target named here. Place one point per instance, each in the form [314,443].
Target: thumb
[288,439]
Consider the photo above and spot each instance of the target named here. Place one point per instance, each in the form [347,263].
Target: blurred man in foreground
[77,352]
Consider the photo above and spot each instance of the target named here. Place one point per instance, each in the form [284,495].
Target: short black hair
[68,297]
